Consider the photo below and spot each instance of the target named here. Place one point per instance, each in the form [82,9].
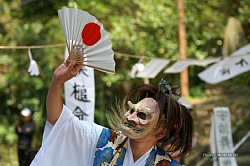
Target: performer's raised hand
[68,70]
[63,73]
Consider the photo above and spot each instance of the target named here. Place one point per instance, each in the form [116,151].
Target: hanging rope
[35,46]
[63,45]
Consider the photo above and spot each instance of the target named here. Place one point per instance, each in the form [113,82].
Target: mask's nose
[132,118]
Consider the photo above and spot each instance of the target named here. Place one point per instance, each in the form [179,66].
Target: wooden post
[182,48]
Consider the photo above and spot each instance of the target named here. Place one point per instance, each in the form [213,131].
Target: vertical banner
[221,138]
[79,93]
[213,145]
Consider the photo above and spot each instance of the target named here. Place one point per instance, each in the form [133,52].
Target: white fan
[84,32]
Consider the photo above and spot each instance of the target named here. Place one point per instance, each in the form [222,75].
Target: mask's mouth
[128,126]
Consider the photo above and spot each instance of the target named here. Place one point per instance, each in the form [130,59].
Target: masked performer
[149,120]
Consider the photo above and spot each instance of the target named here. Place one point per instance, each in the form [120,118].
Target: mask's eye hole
[142,115]
[131,111]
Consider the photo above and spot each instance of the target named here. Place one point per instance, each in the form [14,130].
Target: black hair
[174,117]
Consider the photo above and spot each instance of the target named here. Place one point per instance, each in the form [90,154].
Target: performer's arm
[54,101]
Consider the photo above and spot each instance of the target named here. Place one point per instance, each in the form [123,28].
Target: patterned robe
[112,146]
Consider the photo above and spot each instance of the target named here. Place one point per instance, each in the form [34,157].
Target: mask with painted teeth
[141,118]
[134,128]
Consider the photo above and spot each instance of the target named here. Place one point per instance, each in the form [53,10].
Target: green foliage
[148,28]
[7,135]
[197,92]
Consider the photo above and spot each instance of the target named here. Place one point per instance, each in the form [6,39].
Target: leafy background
[143,28]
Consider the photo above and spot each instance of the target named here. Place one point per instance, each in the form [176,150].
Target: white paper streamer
[33,67]
[237,63]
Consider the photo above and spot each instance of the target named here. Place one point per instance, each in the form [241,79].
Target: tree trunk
[182,47]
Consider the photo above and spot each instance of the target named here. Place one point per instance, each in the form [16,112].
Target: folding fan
[83,32]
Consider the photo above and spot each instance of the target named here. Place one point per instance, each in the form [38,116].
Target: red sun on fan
[91,34]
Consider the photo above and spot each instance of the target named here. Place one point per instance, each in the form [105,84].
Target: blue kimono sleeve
[175,163]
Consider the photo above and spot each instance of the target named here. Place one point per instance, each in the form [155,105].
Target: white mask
[141,118]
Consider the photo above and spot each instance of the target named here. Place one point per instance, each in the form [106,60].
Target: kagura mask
[141,118]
